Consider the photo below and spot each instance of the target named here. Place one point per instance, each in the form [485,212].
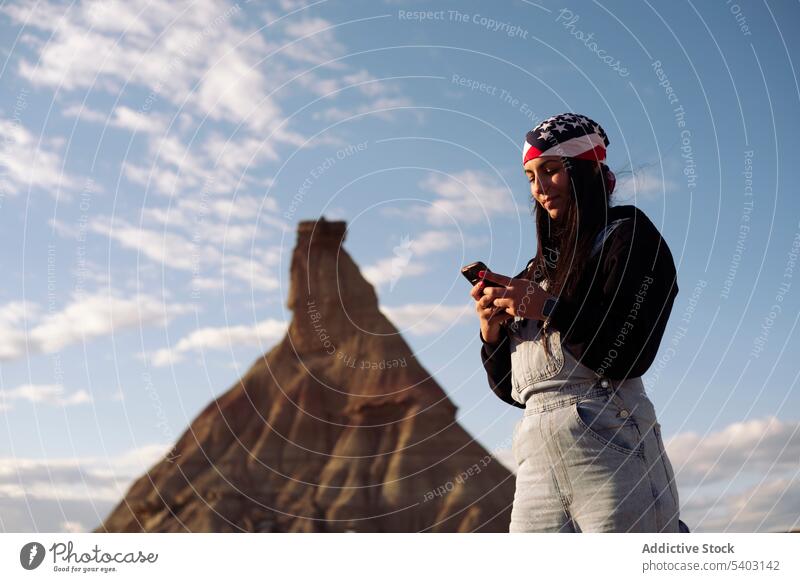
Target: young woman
[568,340]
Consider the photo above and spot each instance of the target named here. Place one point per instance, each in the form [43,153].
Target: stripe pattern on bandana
[569,135]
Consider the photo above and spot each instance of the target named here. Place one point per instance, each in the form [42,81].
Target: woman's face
[549,184]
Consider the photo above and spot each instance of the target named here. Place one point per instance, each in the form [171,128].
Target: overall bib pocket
[529,362]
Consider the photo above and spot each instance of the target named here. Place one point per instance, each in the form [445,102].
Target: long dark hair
[564,245]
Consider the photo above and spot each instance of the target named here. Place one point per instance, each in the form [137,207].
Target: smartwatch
[548,306]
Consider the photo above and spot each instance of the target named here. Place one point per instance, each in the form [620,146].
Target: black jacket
[624,300]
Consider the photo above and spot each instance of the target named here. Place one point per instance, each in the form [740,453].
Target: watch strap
[548,306]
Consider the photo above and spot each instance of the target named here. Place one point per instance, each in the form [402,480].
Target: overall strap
[598,244]
[604,234]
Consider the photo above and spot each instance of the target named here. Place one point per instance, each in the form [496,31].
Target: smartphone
[471,273]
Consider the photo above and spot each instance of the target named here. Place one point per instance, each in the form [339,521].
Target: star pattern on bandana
[563,128]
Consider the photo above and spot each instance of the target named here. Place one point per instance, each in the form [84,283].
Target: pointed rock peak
[328,233]
[327,292]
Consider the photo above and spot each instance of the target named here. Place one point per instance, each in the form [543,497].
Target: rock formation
[337,428]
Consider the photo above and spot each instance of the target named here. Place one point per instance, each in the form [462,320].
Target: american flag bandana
[567,135]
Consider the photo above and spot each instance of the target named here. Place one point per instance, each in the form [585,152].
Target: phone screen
[471,273]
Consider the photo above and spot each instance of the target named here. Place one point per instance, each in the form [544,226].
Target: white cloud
[205,58]
[172,151]
[31,163]
[207,217]
[755,446]
[404,261]
[383,108]
[123,118]
[163,247]
[86,47]
[84,317]
[645,184]
[391,269]
[382,97]
[426,318]
[207,63]
[178,252]
[432,241]
[245,207]
[16,312]
[84,113]
[235,235]
[138,121]
[741,478]
[47,394]
[234,156]
[69,494]
[467,197]
[234,90]
[216,166]
[255,270]
[51,474]
[772,505]
[13,320]
[207,283]
[164,181]
[100,314]
[312,40]
[203,65]
[290,5]
[260,335]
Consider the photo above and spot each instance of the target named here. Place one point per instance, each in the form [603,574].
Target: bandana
[569,135]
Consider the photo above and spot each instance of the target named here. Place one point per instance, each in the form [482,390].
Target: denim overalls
[588,450]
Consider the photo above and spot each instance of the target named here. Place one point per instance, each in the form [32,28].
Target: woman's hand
[517,297]
[491,317]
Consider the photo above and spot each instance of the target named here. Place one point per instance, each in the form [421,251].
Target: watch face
[547,308]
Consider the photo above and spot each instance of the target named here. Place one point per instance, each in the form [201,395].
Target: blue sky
[157,157]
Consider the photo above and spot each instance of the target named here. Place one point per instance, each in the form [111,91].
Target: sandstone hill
[337,428]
